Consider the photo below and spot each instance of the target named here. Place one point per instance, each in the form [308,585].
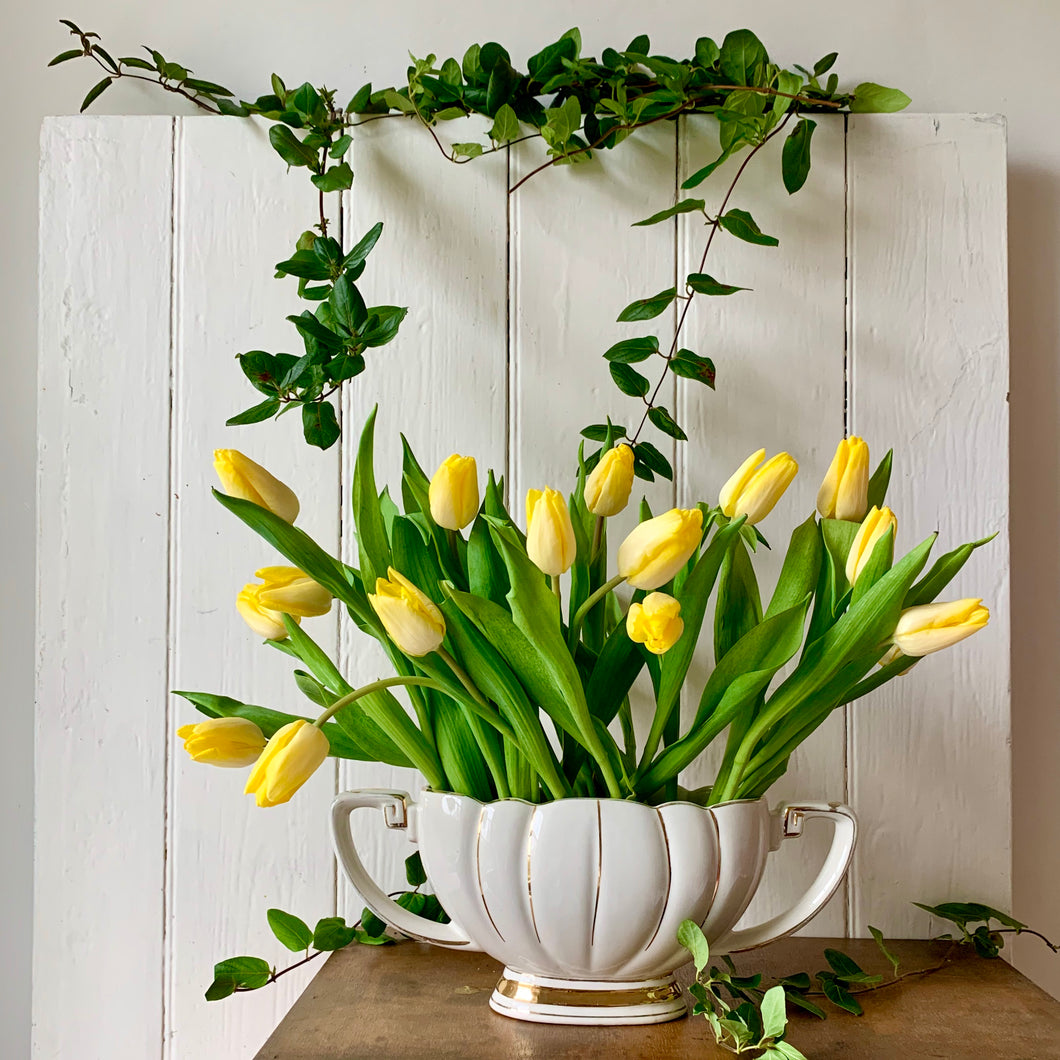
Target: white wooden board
[881,313]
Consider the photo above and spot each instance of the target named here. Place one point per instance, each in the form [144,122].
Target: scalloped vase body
[581,899]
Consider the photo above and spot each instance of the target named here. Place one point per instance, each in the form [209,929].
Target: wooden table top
[418,1001]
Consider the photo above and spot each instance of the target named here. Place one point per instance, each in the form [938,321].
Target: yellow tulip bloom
[844,493]
[753,491]
[655,623]
[290,758]
[608,485]
[453,492]
[931,627]
[658,548]
[876,524]
[550,541]
[241,477]
[229,742]
[264,621]
[289,590]
[410,617]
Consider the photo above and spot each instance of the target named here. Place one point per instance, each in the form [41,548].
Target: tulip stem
[557,591]
[598,534]
[451,535]
[374,686]
[462,676]
[594,598]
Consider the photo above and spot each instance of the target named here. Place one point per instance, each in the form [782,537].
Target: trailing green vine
[577,105]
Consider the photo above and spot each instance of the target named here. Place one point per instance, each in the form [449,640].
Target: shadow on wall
[1034,280]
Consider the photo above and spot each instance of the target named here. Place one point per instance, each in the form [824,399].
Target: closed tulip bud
[229,742]
[932,627]
[241,477]
[550,541]
[262,620]
[288,590]
[414,624]
[875,525]
[290,758]
[656,622]
[753,491]
[844,493]
[658,548]
[609,484]
[453,492]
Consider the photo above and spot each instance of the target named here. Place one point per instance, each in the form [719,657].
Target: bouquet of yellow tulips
[518,650]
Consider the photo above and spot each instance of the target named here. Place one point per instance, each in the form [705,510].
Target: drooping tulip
[844,493]
[928,628]
[453,492]
[658,548]
[290,758]
[410,617]
[872,529]
[753,491]
[289,590]
[229,742]
[264,621]
[608,485]
[242,477]
[550,541]
[655,622]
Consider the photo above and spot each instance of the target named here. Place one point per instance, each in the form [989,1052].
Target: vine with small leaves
[577,105]
[747,1016]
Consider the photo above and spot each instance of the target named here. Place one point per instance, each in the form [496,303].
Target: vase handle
[394,806]
[789,821]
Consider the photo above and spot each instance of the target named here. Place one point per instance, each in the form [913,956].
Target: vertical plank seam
[849,883]
[175,163]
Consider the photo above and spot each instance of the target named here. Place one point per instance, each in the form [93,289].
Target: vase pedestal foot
[540,999]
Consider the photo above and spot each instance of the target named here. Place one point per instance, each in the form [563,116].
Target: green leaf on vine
[646,308]
[690,365]
[337,178]
[701,283]
[95,92]
[256,414]
[414,870]
[290,930]
[795,158]
[246,973]
[743,58]
[291,149]
[629,380]
[666,423]
[505,125]
[685,206]
[878,936]
[742,225]
[872,98]
[630,351]
[690,935]
[701,175]
[320,426]
[652,459]
[331,933]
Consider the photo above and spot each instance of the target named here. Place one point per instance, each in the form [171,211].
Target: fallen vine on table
[748,1016]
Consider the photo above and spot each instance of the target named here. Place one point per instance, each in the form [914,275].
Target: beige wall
[949,56]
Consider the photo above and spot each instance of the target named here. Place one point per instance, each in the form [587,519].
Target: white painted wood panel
[778,349]
[442,382]
[929,753]
[512,302]
[103,515]
[229,861]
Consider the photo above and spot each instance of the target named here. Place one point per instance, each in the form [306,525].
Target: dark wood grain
[413,1001]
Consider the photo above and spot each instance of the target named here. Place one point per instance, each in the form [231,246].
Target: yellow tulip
[656,622]
[453,493]
[875,525]
[658,548]
[609,484]
[550,541]
[241,477]
[288,590]
[415,625]
[932,627]
[290,758]
[229,742]
[264,621]
[753,491]
[844,493]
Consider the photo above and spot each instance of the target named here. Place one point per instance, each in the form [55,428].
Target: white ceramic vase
[581,898]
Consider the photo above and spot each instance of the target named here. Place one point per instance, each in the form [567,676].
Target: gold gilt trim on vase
[532,993]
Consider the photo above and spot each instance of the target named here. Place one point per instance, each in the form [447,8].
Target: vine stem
[714,226]
[176,89]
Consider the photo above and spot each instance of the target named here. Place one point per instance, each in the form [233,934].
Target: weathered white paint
[923,222]
[102,588]
[929,375]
